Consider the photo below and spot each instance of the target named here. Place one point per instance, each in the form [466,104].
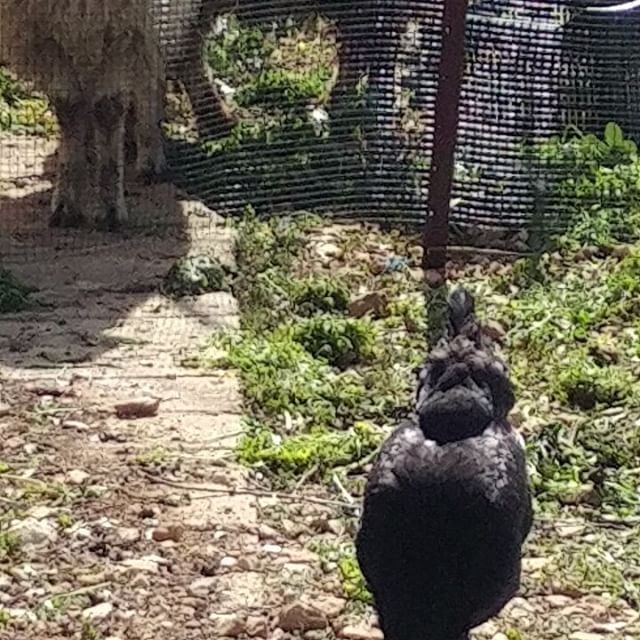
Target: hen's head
[463,386]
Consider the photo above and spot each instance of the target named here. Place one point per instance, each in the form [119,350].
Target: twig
[23,480]
[341,489]
[11,503]
[359,464]
[306,475]
[75,592]
[258,493]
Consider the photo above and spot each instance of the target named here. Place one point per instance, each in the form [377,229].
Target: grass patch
[320,386]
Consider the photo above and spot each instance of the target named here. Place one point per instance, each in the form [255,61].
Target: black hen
[447,504]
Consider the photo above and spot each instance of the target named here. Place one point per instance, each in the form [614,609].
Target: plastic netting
[327,106]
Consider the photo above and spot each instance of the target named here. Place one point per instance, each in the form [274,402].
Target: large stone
[302,616]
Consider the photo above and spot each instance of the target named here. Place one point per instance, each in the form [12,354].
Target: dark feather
[447,504]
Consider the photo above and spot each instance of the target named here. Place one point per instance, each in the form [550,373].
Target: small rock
[302,556]
[534,564]
[201,586]
[172,500]
[558,600]
[302,616]
[141,564]
[331,606]
[138,408]
[75,424]
[227,562]
[21,614]
[361,632]
[5,410]
[35,532]
[128,535]
[77,476]
[228,625]
[256,627]
[265,532]
[585,635]
[328,251]
[43,389]
[5,582]
[272,548]
[173,532]
[500,636]
[99,612]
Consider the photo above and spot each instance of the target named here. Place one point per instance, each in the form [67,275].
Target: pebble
[75,424]
[201,586]
[361,632]
[128,535]
[228,562]
[272,548]
[5,582]
[99,612]
[227,625]
[5,409]
[302,616]
[173,533]
[78,477]
[141,564]
[256,627]
[558,600]
[585,635]
[328,250]
[34,532]
[330,605]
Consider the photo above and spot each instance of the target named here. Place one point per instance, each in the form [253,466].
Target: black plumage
[447,505]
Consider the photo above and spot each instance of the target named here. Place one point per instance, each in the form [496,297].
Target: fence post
[450,74]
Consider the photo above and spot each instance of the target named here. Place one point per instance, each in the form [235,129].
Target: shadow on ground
[97,292]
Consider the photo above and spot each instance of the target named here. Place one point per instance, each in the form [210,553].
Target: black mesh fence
[325,106]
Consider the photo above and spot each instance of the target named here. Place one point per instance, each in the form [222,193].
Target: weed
[318,451]
[340,342]
[89,632]
[65,520]
[598,181]
[152,458]
[317,294]
[5,618]
[353,583]
[195,275]
[10,545]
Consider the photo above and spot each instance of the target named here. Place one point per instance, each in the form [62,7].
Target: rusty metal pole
[451,71]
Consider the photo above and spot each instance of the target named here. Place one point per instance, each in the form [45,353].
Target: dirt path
[129,528]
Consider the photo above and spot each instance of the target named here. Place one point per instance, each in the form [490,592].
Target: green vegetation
[9,545]
[21,112]
[598,184]
[195,275]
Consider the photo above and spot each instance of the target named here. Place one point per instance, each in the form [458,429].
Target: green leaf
[613,135]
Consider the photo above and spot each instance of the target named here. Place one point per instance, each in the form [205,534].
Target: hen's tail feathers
[461,313]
